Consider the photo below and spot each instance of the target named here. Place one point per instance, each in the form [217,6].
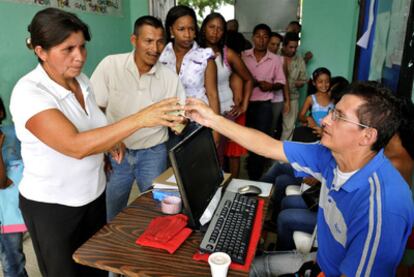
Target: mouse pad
[235,184]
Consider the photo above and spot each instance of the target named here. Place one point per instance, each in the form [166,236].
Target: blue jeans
[11,255]
[278,263]
[281,175]
[295,216]
[142,165]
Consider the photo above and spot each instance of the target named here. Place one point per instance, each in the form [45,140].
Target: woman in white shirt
[213,35]
[195,66]
[62,136]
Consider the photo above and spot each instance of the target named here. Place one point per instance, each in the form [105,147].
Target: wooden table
[113,248]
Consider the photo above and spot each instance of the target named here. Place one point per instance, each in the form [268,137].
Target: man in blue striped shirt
[366,211]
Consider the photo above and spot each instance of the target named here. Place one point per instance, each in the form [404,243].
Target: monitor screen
[198,173]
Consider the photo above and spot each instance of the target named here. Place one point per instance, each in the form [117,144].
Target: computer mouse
[250,190]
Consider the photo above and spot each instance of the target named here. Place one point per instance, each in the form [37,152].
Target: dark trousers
[58,230]
[258,116]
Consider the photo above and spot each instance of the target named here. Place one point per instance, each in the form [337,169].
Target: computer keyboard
[231,227]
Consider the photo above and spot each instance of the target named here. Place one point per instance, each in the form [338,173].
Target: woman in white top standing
[194,65]
[62,136]
[228,62]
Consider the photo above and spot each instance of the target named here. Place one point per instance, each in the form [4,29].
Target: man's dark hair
[262,26]
[274,34]
[290,37]
[176,12]
[380,110]
[51,26]
[295,22]
[338,86]
[235,23]
[147,20]
[406,130]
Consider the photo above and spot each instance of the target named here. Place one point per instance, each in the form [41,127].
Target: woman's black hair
[51,26]
[338,86]
[319,71]
[176,12]
[2,109]
[235,41]
[203,40]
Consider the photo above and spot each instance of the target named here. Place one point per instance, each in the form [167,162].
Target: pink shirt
[270,69]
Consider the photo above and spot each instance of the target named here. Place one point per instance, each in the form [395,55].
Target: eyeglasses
[335,116]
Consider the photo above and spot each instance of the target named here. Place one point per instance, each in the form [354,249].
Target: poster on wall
[105,7]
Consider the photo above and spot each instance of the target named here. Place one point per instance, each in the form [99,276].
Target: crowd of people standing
[127,111]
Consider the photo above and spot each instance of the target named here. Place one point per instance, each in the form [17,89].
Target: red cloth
[233,149]
[254,239]
[165,232]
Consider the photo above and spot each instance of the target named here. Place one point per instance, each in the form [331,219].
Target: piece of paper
[169,184]
[172,179]
[164,186]
[235,184]
[208,213]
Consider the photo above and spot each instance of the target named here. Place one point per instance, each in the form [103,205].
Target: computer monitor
[197,171]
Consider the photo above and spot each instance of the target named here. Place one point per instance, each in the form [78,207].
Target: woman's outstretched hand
[161,114]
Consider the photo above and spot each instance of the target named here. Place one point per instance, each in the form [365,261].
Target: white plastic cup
[219,264]
[171,205]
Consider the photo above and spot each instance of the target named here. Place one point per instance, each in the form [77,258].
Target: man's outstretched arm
[249,138]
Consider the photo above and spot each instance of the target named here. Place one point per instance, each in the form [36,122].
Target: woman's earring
[172,36]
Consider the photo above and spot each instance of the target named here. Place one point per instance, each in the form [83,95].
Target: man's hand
[198,111]
[286,107]
[118,152]
[299,84]
[310,122]
[308,56]
[265,86]
[310,181]
[317,131]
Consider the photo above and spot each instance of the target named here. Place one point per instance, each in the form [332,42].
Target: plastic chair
[304,241]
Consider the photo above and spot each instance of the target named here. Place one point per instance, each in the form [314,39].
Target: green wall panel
[329,31]
[110,34]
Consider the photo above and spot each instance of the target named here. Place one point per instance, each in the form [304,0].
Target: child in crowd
[11,222]
[319,103]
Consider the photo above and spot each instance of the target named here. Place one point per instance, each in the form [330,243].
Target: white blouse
[50,176]
[192,69]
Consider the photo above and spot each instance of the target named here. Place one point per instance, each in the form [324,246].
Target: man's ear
[370,136]
[133,40]
[41,53]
